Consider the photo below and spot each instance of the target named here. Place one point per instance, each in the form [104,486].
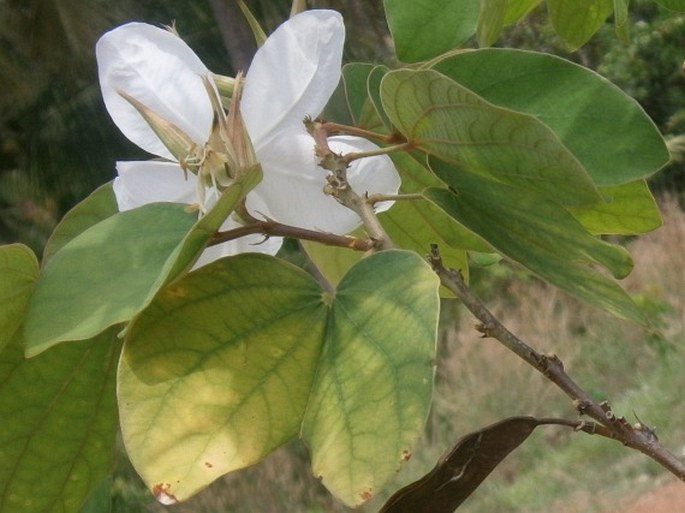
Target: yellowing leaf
[224,379]
[218,370]
[373,384]
[629,209]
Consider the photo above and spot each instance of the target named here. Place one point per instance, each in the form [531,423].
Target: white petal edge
[293,183]
[160,70]
[293,74]
[139,183]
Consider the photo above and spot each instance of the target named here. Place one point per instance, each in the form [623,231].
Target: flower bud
[229,137]
[176,140]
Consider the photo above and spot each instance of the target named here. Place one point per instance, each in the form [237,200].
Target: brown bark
[235,33]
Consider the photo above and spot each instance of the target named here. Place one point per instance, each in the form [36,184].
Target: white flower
[292,76]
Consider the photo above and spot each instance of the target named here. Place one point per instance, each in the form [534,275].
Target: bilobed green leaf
[538,234]
[112,270]
[415,226]
[217,371]
[582,109]
[423,29]
[445,119]
[18,273]
[437,227]
[361,109]
[576,21]
[517,9]
[99,205]
[373,384]
[490,21]
[59,423]
[629,209]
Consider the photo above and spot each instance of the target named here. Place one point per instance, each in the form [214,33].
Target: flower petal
[293,74]
[140,183]
[293,183]
[157,68]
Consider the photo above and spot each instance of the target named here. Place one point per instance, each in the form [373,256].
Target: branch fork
[338,185]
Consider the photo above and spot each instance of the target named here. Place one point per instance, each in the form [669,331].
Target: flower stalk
[270,228]
[351,157]
[337,128]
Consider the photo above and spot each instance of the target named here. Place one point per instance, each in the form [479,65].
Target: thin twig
[379,198]
[337,128]
[351,157]
[639,436]
[271,228]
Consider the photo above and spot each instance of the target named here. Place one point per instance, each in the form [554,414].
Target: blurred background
[57,144]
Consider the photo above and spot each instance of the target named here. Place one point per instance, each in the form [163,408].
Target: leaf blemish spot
[176,291]
[406,455]
[161,493]
[208,464]
[366,494]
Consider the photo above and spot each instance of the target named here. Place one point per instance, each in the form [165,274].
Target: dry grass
[479,382]
[639,370]
[660,265]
